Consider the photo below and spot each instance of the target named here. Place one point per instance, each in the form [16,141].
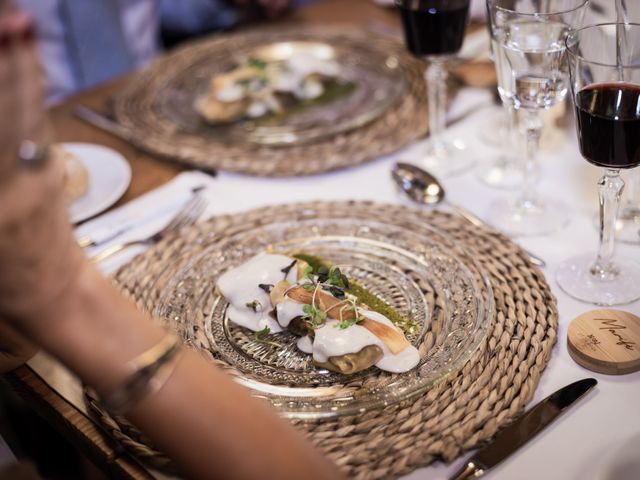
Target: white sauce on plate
[231,93]
[332,341]
[305,345]
[309,89]
[303,65]
[240,287]
[287,310]
[257,109]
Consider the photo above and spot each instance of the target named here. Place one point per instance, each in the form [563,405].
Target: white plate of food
[95,178]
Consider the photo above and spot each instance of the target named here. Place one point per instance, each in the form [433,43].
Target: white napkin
[143,217]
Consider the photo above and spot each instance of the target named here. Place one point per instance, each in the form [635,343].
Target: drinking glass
[628,222]
[604,63]
[434,29]
[528,38]
[503,170]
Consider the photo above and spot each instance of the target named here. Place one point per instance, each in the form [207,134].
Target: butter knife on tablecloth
[110,125]
[523,429]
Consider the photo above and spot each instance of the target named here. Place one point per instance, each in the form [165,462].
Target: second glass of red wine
[434,30]
[604,62]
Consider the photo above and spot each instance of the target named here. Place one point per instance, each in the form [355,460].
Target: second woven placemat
[450,418]
[139,109]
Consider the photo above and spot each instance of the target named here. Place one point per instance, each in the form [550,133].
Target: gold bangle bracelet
[150,370]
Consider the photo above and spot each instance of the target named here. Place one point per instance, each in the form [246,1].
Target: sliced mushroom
[353,362]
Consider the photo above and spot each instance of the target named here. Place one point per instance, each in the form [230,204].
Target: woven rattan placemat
[447,420]
[137,108]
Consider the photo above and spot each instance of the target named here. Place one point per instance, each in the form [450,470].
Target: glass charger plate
[373,80]
[426,278]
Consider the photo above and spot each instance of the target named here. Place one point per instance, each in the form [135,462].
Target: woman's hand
[38,256]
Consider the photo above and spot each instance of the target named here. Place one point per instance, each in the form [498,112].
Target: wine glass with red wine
[434,30]
[604,62]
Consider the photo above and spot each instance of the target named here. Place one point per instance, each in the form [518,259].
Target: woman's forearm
[222,432]
[207,423]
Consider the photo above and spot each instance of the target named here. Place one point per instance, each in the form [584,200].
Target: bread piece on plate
[76,176]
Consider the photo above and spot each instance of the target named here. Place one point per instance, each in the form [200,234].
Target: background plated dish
[382,113]
[426,279]
[109,178]
[373,77]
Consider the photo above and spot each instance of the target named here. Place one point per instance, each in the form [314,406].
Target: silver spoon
[422,187]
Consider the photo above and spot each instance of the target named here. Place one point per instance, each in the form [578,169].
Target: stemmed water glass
[604,62]
[505,169]
[628,223]
[434,29]
[528,38]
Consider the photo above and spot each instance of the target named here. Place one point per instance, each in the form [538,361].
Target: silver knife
[111,126]
[523,429]
[104,123]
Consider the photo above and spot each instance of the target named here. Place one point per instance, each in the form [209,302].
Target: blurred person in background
[86,42]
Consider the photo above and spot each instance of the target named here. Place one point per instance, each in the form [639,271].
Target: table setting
[361,171]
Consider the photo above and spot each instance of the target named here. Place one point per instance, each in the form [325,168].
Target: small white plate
[109,178]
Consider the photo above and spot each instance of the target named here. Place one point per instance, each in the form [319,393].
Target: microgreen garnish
[307,271]
[288,268]
[254,305]
[267,287]
[261,336]
[350,321]
[357,318]
[257,63]
[313,316]
[320,274]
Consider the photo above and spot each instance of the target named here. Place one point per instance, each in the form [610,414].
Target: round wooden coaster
[606,341]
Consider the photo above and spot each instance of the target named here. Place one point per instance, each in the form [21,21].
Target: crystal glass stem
[610,188]
[436,77]
[512,128]
[532,126]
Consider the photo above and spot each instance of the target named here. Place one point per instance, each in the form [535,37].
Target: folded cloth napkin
[143,217]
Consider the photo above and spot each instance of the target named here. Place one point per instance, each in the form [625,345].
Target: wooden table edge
[79,429]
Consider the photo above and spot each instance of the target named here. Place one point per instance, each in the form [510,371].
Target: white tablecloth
[600,437]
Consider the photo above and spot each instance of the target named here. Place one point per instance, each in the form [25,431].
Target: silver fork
[188,215]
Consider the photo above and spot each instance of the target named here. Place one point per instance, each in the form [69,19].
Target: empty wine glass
[434,29]
[604,61]
[528,38]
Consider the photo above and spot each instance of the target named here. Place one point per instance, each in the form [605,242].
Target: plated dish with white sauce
[305,295]
[282,93]
[330,317]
